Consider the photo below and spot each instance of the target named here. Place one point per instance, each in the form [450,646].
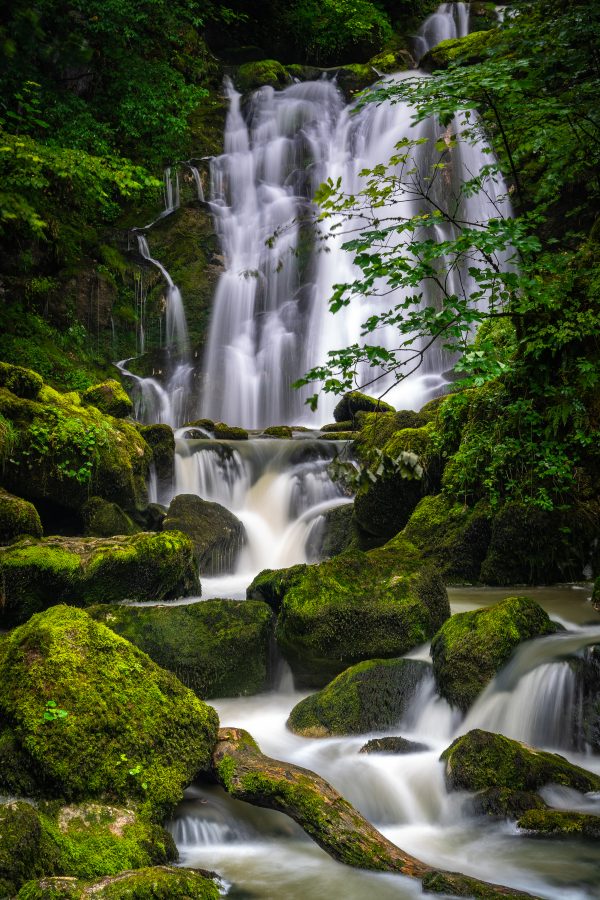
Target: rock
[104,519]
[392,61]
[589,678]
[480,760]
[351,79]
[110,398]
[161,440]
[354,402]
[560,823]
[271,585]
[283,432]
[371,696]
[338,436]
[35,574]
[22,851]
[252,75]
[225,432]
[337,426]
[19,381]
[217,648]
[202,424]
[93,716]
[469,49]
[339,530]
[157,883]
[64,452]
[217,535]
[17,517]
[471,647]
[454,537]
[376,429]
[526,546]
[355,606]
[397,745]
[505,803]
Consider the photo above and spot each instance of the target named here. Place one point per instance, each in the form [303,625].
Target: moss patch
[104,519]
[157,883]
[252,75]
[17,517]
[560,823]
[355,402]
[469,49]
[110,398]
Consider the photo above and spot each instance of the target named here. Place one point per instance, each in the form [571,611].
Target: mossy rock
[339,533]
[65,451]
[24,853]
[504,803]
[131,729]
[396,745]
[217,648]
[161,440]
[217,535]
[17,517]
[392,61]
[471,647]
[472,48]
[480,760]
[357,606]
[454,537]
[338,436]
[104,519]
[35,574]
[337,426]
[589,679]
[354,402]
[283,432]
[22,382]
[376,428]
[253,75]
[560,823]
[371,696]
[223,432]
[355,77]
[271,585]
[109,397]
[156,883]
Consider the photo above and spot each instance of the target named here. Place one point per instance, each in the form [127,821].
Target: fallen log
[332,822]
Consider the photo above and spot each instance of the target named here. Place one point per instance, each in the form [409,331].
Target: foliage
[332,29]
[53,713]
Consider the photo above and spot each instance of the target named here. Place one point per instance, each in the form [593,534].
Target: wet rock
[452,884]
[392,61]
[271,585]
[225,432]
[527,546]
[355,402]
[396,745]
[110,398]
[589,679]
[339,532]
[217,535]
[338,426]
[283,432]
[505,803]
[252,75]
[17,517]
[217,648]
[35,574]
[158,883]
[161,440]
[104,519]
[471,647]
[560,823]
[92,715]
[471,49]
[371,696]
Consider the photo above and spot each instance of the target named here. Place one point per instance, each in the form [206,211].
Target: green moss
[161,440]
[104,519]
[370,696]
[157,883]
[338,426]
[454,885]
[560,822]
[351,79]
[252,75]
[338,436]
[21,382]
[23,852]
[358,606]
[83,571]
[354,401]
[480,760]
[339,531]
[471,647]
[110,398]
[391,61]
[218,648]
[131,730]
[271,585]
[17,517]
[469,49]
[279,431]
[225,432]
[395,745]
[505,803]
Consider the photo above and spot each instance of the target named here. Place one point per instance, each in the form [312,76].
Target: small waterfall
[197,182]
[450,20]
[176,330]
[171,189]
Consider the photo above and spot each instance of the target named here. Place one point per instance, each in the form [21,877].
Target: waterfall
[176,325]
[271,320]
[171,189]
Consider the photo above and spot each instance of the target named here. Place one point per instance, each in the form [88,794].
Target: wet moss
[354,401]
[471,647]
[469,49]
[339,532]
[17,517]
[83,571]
[22,382]
[338,436]
[505,803]
[480,760]
[252,75]
[217,648]
[395,745]
[338,426]
[110,398]
[131,729]
[104,519]
[271,585]
[391,61]
[560,823]
[225,432]
[283,432]
[156,883]
[370,696]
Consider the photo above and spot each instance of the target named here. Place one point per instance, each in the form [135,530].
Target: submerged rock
[371,696]
[17,517]
[471,647]
[396,745]
[93,717]
[157,883]
[36,574]
[218,648]
[217,535]
[481,760]
[110,398]
[353,607]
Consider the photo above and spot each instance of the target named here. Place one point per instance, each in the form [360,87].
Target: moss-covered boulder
[337,426]
[471,647]
[94,717]
[35,574]
[156,883]
[454,537]
[354,402]
[505,803]
[396,745]
[109,397]
[469,49]
[24,852]
[560,823]
[353,78]
[64,451]
[371,696]
[357,606]
[19,381]
[252,75]
[217,535]
[481,760]
[17,517]
[161,440]
[392,61]
[101,518]
[283,432]
[218,648]
[223,432]
[271,585]
[339,532]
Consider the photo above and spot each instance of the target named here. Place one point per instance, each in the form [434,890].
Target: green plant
[52,712]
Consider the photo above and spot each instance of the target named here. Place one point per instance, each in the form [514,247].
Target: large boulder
[35,574]
[338,531]
[109,397]
[471,647]
[217,535]
[252,75]
[218,648]
[64,451]
[17,517]
[480,760]
[155,883]
[93,717]
[355,402]
[356,606]
[371,696]
[104,519]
